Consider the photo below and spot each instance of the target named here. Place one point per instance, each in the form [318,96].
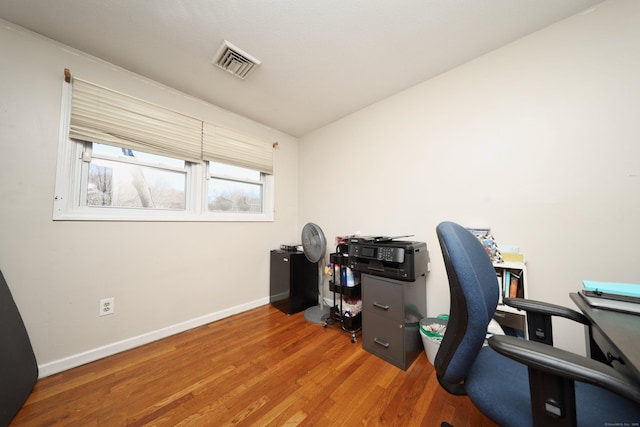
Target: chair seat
[503,395]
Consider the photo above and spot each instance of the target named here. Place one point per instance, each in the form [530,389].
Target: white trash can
[432,330]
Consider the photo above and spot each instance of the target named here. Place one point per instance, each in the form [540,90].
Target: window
[119,177]
[234,189]
[137,167]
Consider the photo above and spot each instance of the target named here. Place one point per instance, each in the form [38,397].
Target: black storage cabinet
[293,281]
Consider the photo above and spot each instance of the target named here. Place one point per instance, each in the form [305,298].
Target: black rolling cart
[347,294]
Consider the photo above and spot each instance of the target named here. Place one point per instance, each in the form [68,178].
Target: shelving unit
[342,288]
[512,320]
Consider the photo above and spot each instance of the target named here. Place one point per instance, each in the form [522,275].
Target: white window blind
[231,147]
[108,117]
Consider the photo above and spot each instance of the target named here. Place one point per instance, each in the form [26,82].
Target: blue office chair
[518,382]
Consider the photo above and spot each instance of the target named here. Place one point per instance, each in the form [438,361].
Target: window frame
[88,155]
[68,188]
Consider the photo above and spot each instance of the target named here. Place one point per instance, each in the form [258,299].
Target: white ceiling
[321,59]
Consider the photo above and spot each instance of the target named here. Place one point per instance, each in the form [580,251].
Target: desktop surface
[616,333]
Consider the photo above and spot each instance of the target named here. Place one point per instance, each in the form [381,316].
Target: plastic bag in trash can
[432,330]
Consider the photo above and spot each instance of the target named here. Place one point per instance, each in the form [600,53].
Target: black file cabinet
[391,313]
[293,281]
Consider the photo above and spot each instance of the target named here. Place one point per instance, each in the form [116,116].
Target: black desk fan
[314,246]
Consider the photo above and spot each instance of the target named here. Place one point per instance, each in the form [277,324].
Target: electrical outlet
[107,306]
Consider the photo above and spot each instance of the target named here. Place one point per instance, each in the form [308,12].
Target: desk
[616,334]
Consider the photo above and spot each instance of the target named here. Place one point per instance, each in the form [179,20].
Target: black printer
[386,257]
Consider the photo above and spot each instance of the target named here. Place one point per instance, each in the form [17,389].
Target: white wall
[538,140]
[165,276]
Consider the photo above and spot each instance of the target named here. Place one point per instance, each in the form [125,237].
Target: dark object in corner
[18,367]
[293,281]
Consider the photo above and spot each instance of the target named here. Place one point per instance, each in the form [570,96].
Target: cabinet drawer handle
[380,342]
[382,306]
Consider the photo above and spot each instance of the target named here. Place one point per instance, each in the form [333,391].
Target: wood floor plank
[258,368]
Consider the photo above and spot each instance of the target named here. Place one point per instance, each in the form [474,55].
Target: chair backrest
[474,297]
[18,367]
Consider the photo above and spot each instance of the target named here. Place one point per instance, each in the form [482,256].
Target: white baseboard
[79,359]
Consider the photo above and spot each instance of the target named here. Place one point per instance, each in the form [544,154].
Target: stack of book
[510,283]
[624,297]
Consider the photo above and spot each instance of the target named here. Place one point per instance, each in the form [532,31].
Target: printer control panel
[378,252]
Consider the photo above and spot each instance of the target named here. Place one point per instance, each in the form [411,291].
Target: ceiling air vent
[234,60]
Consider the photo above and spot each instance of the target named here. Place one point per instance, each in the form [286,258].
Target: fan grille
[314,243]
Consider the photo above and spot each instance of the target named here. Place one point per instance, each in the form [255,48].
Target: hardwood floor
[259,368]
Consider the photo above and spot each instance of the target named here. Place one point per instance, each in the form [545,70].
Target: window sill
[160,216]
